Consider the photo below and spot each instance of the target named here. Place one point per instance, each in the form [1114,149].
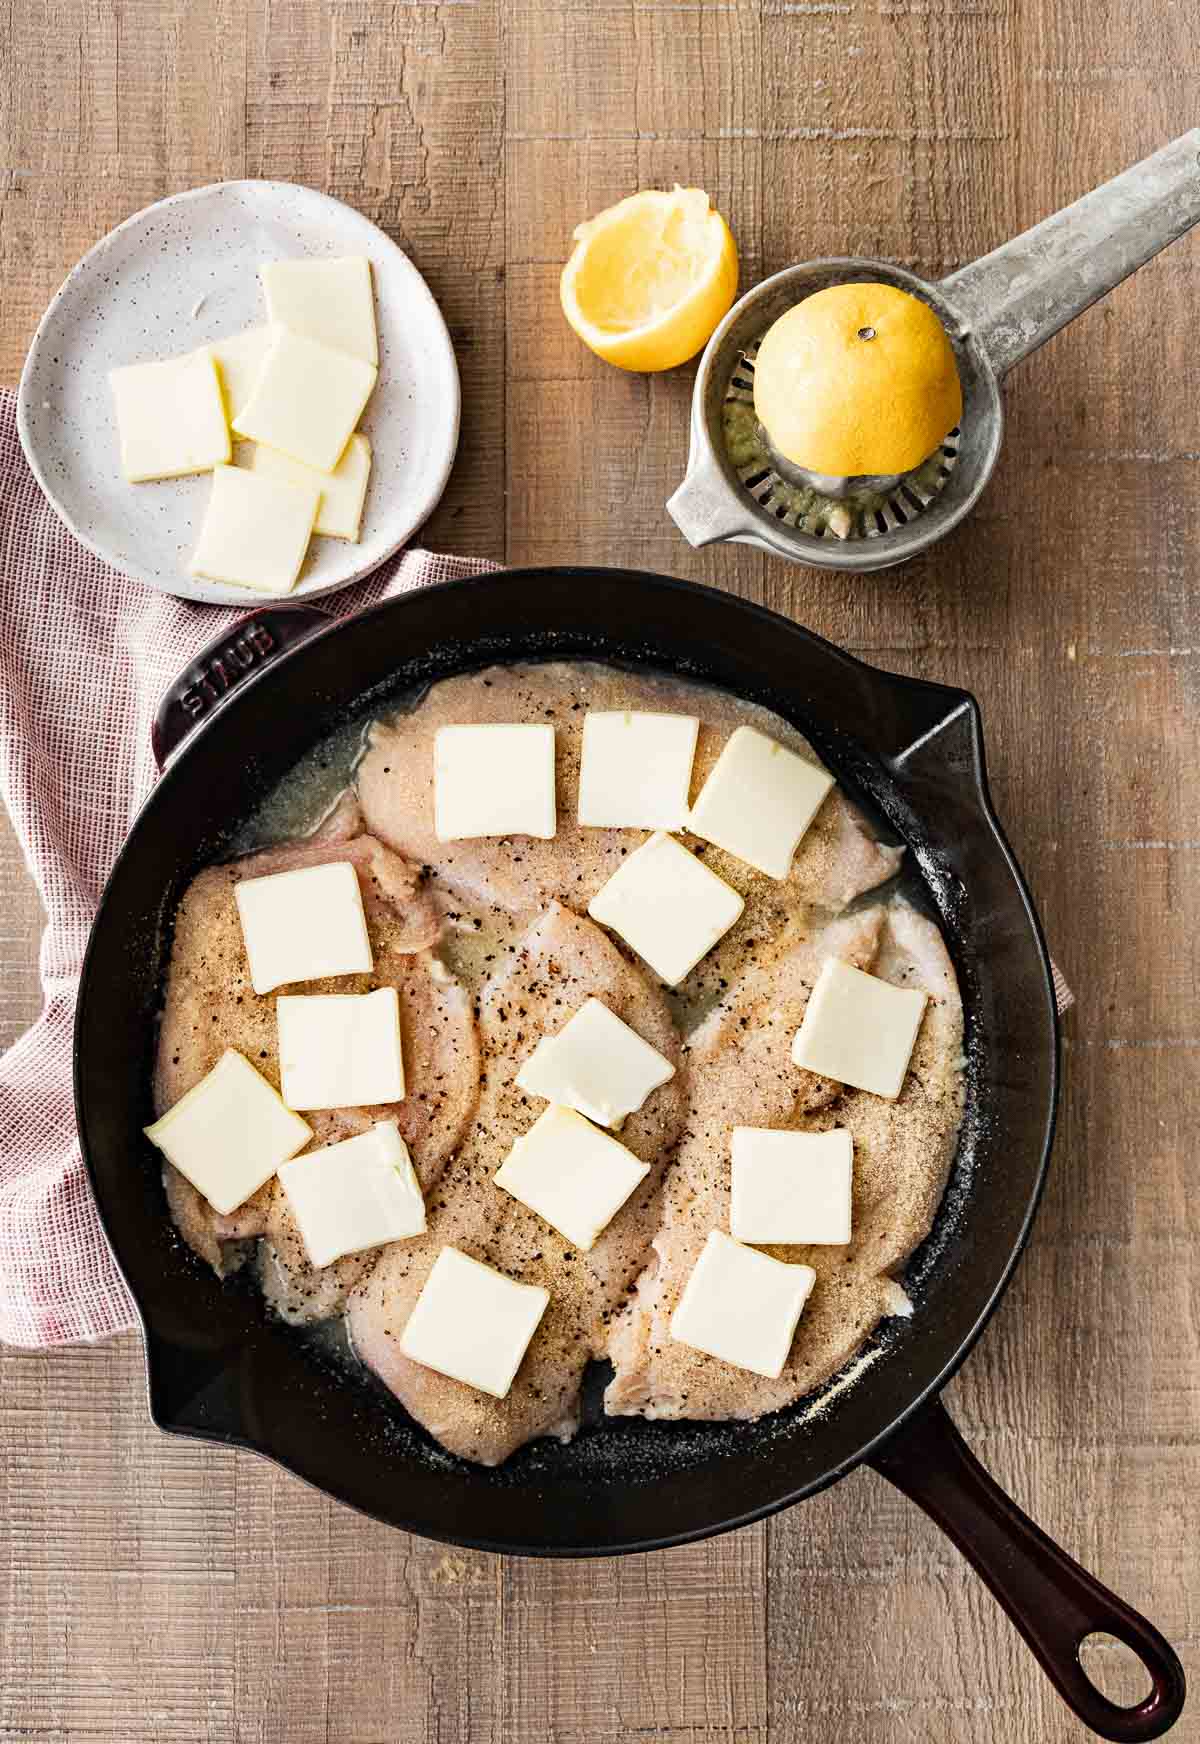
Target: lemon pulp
[650,278]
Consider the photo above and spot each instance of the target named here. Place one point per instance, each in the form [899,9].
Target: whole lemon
[857,379]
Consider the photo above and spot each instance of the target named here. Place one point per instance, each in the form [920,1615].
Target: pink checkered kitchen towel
[85,656]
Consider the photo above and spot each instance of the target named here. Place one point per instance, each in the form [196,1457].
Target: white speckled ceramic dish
[183,273]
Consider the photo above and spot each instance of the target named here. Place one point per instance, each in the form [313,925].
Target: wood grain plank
[650,1645]
[118,1559]
[322,1594]
[21,922]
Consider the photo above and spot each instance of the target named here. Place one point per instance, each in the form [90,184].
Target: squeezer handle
[1021,294]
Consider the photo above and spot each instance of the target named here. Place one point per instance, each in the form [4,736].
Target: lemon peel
[650,278]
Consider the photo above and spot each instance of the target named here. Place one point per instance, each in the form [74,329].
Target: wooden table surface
[155,1590]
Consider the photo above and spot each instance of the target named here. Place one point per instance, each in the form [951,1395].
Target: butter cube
[742,1306]
[668,905]
[170,417]
[493,780]
[791,1186]
[329,300]
[255,531]
[472,1323]
[354,1195]
[340,1050]
[230,1133]
[572,1174]
[306,399]
[239,359]
[343,490]
[636,769]
[595,1064]
[303,925]
[859,1030]
[759,800]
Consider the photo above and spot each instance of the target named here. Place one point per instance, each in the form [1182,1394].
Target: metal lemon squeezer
[996,312]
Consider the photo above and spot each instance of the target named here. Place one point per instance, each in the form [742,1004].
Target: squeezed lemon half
[650,278]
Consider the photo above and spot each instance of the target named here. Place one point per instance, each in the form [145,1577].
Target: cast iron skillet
[913,754]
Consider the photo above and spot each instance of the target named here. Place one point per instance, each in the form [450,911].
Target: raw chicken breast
[561,961]
[210,1006]
[837,859]
[740,1073]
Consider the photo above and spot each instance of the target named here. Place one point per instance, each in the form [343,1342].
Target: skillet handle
[254,642]
[1053,1602]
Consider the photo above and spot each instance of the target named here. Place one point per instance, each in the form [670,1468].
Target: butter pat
[494,780]
[758,801]
[340,1050]
[358,1194]
[239,360]
[742,1306]
[306,399]
[329,300]
[859,1030]
[230,1133]
[472,1323]
[339,514]
[303,925]
[791,1186]
[668,906]
[595,1064]
[255,531]
[170,417]
[572,1174]
[636,770]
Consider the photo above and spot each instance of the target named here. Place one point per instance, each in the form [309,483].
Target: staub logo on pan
[219,672]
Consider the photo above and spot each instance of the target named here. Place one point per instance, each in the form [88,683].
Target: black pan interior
[911,753]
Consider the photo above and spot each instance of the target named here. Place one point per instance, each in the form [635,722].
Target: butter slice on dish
[667,904]
[354,1195]
[230,1133]
[572,1174]
[636,769]
[306,399]
[255,531]
[340,1050]
[239,359]
[329,300]
[742,1306]
[493,780]
[170,417]
[596,1065]
[791,1187]
[303,925]
[859,1030]
[343,491]
[758,801]
[472,1323]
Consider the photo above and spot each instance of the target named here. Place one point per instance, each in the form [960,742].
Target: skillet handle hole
[1115,1669]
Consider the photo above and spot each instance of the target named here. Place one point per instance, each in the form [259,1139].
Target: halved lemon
[857,379]
[650,278]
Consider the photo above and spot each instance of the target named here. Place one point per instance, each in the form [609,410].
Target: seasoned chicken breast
[740,1073]
[210,1006]
[562,960]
